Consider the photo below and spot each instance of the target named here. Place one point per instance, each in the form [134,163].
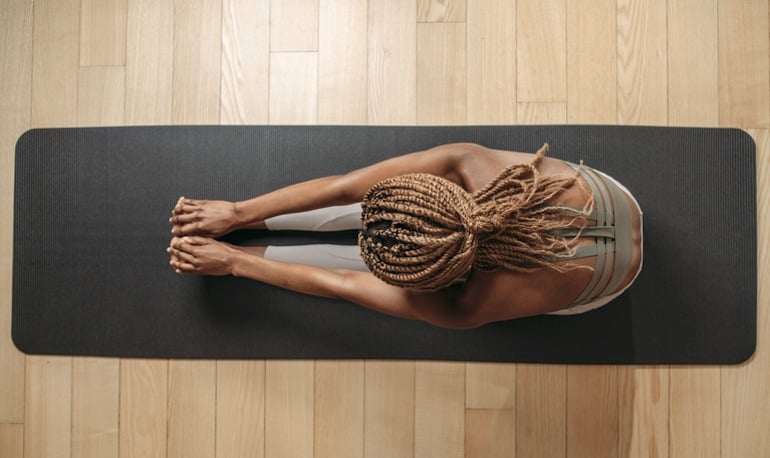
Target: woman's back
[506,294]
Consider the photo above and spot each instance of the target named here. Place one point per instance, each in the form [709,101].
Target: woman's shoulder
[477,165]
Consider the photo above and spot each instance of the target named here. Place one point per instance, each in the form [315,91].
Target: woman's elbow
[343,191]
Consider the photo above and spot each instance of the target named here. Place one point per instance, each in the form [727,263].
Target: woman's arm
[362,288]
[200,255]
[455,162]
[351,187]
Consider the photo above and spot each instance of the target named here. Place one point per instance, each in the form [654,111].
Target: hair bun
[424,232]
[484,225]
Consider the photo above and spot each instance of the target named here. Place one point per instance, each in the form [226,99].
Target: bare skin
[485,297]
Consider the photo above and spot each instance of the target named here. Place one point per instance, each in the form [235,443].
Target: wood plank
[103,32]
[389,409]
[143,408]
[191,409]
[541,112]
[541,401]
[642,89]
[491,62]
[744,67]
[490,433]
[293,88]
[643,402]
[342,65]
[289,408]
[695,412]
[541,408]
[101,96]
[48,380]
[149,61]
[339,409]
[693,66]
[240,409]
[746,388]
[197,61]
[441,73]
[695,394]
[392,62]
[245,61]
[441,10]
[439,409]
[294,26]
[643,395]
[591,60]
[95,403]
[490,386]
[11,440]
[48,413]
[592,411]
[541,54]
[56,40]
[15,87]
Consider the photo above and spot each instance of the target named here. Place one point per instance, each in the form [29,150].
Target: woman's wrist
[244,214]
[237,264]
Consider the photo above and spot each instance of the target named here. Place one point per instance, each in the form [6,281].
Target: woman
[458,236]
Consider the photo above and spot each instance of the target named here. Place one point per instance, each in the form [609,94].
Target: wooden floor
[119,62]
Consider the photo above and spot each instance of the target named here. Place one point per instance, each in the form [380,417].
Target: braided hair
[423,232]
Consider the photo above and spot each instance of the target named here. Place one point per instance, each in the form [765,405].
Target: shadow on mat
[288,325]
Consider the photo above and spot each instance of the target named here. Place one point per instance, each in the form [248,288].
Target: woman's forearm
[301,278]
[364,289]
[308,195]
[349,188]
[205,256]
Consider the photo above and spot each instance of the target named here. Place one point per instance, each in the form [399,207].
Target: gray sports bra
[613,233]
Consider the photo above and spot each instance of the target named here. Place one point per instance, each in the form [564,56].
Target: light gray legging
[337,218]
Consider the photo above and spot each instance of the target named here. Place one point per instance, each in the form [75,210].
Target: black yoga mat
[91,276]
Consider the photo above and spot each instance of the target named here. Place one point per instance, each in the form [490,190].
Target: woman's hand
[201,255]
[208,218]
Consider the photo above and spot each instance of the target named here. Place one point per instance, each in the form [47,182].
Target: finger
[187,267]
[185,205]
[178,205]
[187,244]
[196,240]
[174,262]
[185,208]
[179,244]
[186,229]
[183,218]
[183,267]
[181,256]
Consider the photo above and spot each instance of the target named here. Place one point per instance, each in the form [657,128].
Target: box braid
[424,232]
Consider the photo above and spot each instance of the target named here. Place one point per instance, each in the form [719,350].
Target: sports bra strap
[613,247]
[589,231]
[605,248]
[624,243]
